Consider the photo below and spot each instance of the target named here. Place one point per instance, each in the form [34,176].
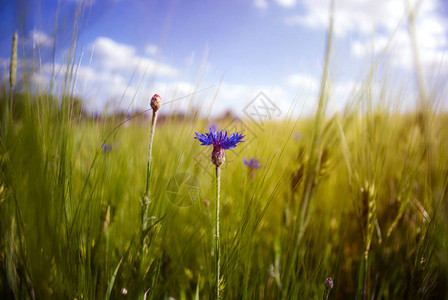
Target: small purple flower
[221,141]
[252,163]
[106,148]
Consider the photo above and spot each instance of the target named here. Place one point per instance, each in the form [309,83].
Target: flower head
[156,102]
[252,163]
[221,141]
[106,148]
[329,283]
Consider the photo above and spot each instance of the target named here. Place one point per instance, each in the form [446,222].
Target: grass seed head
[13,64]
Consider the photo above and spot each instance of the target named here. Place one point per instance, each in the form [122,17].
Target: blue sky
[129,50]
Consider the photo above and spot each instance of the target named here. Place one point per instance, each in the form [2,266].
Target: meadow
[71,211]
[359,196]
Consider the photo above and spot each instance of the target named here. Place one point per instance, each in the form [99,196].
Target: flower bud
[218,156]
[156,102]
[329,283]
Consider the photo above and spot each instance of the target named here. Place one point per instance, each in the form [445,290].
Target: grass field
[71,210]
[359,196]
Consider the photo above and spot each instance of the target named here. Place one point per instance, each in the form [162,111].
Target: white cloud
[385,23]
[113,56]
[107,79]
[342,90]
[302,81]
[431,39]
[360,16]
[286,3]
[152,50]
[101,88]
[261,4]
[296,96]
[350,16]
[39,38]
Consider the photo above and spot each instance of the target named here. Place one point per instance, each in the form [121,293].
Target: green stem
[146,196]
[149,158]
[326,294]
[217,245]
[366,260]
[6,113]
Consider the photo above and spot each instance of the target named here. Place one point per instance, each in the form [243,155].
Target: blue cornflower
[220,141]
[252,163]
[106,148]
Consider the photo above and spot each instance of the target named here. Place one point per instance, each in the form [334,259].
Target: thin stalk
[326,294]
[145,199]
[366,269]
[422,89]
[149,158]
[217,245]
[12,81]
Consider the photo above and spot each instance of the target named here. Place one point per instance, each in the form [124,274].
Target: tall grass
[361,197]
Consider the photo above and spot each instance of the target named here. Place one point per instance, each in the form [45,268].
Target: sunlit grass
[71,211]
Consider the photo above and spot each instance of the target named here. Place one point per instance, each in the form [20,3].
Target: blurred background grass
[70,208]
